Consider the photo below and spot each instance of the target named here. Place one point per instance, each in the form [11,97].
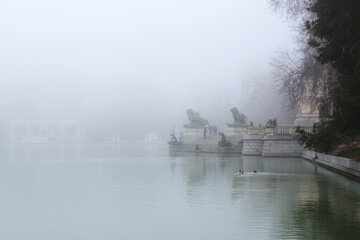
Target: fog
[135,67]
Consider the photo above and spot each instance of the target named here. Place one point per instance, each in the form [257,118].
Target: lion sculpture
[239,118]
[195,120]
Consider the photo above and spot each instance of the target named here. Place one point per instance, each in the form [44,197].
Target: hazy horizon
[136,67]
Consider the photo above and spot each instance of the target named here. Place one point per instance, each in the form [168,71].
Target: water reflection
[326,210]
[292,198]
[89,191]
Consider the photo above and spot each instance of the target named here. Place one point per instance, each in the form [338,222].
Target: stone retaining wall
[281,146]
[236,135]
[192,135]
[345,165]
[279,142]
[253,145]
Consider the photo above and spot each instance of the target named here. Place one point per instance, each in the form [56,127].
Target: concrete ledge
[285,154]
[204,148]
[251,153]
[279,137]
[343,165]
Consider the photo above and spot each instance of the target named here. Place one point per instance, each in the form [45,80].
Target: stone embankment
[345,166]
[277,141]
[200,145]
[273,141]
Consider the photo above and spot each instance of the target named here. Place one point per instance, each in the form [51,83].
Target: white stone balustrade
[256,131]
[285,130]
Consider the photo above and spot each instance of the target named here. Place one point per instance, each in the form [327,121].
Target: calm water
[139,191]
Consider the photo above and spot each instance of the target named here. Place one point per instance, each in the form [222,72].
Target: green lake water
[138,191]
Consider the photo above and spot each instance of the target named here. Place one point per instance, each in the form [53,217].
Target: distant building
[151,137]
[46,131]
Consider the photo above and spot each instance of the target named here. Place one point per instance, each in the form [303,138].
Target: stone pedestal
[253,145]
[236,135]
[307,116]
[192,135]
[281,146]
[270,130]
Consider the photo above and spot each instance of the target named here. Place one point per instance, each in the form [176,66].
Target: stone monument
[236,130]
[195,120]
[271,126]
[173,140]
[307,115]
[239,119]
[196,129]
[224,142]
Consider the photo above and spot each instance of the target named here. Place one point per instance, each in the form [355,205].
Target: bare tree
[298,74]
[293,9]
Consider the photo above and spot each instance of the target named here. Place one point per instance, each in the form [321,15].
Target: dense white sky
[140,63]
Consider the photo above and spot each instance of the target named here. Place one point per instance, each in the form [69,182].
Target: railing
[291,129]
[281,130]
[285,130]
[256,130]
[307,129]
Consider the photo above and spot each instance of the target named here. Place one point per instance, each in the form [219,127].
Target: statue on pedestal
[195,120]
[239,118]
[224,142]
[271,123]
[173,141]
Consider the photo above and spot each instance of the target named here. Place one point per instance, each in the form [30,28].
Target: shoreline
[344,166]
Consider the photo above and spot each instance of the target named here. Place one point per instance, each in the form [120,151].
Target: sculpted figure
[239,118]
[272,123]
[173,141]
[195,120]
[224,142]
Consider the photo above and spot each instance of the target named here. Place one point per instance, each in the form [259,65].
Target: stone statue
[173,141]
[239,118]
[195,120]
[272,123]
[251,124]
[224,142]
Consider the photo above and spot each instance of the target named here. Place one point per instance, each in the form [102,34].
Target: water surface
[137,191]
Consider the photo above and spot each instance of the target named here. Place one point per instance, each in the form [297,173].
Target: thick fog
[135,67]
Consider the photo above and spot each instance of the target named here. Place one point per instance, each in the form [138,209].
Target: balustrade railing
[281,130]
[291,129]
[256,130]
[285,130]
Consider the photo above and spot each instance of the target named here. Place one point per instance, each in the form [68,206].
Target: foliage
[298,73]
[335,34]
[322,139]
[332,34]
[336,37]
[354,154]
